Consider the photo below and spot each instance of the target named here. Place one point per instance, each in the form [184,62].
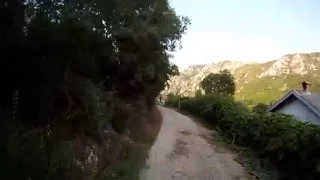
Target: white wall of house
[296,108]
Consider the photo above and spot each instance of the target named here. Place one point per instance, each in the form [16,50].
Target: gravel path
[181,153]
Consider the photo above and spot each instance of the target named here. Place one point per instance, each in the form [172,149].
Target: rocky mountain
[256,82]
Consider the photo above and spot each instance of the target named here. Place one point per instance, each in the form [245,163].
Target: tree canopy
[221,83]
[260,108]
[123,44]
[66,59]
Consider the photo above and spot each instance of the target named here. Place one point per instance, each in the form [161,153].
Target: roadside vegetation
[289,145]
[79,80]
[135,152]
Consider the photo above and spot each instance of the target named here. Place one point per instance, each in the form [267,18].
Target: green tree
[78,53]
[170,97]
[221,83]
[198,93]
[123,44]
[260,108]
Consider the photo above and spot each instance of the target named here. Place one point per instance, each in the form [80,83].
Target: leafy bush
[291,145]
[260,108]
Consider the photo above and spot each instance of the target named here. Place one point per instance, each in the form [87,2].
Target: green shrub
[260,108]
[291,145]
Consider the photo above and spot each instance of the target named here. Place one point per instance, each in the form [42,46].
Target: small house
[304,105]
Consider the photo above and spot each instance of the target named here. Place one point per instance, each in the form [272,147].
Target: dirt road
[181,153]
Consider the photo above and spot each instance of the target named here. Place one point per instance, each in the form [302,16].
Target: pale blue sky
[247,30]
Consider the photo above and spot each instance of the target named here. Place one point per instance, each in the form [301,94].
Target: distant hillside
[256,82]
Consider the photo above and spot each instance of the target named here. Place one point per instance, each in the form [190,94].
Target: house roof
[311,100]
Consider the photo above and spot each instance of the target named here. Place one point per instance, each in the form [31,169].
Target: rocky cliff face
[294,64]
[284,69]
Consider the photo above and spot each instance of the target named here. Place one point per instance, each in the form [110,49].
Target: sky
[246,30]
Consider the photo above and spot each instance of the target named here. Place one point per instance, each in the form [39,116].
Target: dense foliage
[67,62]
[260,108]
[289,144]
[221,83]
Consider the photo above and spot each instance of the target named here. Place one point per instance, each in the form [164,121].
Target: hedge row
[292,146]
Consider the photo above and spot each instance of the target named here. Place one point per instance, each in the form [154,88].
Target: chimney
[305,86]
